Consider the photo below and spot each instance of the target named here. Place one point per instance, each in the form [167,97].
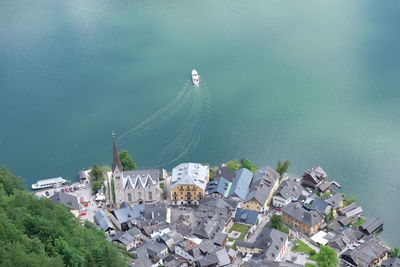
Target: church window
[150,195]
[129,197]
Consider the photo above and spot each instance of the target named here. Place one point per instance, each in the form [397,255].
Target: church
[135,186]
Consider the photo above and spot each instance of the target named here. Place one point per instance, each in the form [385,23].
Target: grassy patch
[284,229]
[360,221]
[300,246]
[242,229]
[309,265]
[161,185]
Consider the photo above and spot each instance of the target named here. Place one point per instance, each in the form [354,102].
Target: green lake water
[316,82]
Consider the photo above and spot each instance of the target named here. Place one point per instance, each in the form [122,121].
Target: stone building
[135,186]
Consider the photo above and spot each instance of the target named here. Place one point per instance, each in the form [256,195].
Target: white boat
[52,182]
[195,77]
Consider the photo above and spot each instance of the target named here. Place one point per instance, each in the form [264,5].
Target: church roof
[116,161]
[140,178]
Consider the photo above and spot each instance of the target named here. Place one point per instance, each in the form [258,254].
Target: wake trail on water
[160,116]
[194,129]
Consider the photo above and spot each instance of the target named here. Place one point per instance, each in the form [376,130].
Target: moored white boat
[195,77]
[47,183]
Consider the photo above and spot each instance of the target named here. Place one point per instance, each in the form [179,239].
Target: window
[129,197]
[150,195]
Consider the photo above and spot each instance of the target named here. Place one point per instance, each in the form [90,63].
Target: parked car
[278,209]
[84,186]
[71,189]
[66,189]
[62,190]
[82,214]
[47,193]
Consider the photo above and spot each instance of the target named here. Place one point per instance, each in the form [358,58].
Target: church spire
[116,161]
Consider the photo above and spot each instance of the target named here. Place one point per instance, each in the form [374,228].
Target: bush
[312,252]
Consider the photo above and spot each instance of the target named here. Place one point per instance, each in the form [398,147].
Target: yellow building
[306,221]
[188,183]
[264,184]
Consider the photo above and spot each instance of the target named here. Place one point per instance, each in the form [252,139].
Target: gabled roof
[129,213]
[316,174]
[103,221]
[220,186]
[240,187]
[366,253]
[140,178]
[226,173]
[65,199]
[298,212]
[372,225]
[335,200]
[392,262]
[246,216]
[190,174]
[316,203]
[123,237]
[261,186]
[289,188]
[269,240]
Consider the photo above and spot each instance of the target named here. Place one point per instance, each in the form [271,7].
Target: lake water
[316,82]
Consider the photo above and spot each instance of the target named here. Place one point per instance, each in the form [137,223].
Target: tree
[232,164]
[37,232]
[97,173]
[127,161]
[327,257]
[282,167]
[276,222]
[245,163]
[395,252]
[96,186]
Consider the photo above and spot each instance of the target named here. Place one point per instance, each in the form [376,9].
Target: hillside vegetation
[36,232]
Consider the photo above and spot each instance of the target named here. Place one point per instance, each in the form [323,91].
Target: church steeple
[116,161]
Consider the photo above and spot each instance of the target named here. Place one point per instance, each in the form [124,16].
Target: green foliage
[232,164]
[360,221]
[245,163]
[326,257]
[127,161]
[326,195]
[282,167]
[97,176]
[300,246]
[276,223]
[329,216]
[213,172]
[8,183]
[37,232]
[312,252]
[242,229]
[349,200]
[395,252]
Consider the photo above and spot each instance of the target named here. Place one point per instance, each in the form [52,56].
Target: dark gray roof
[129,213]
[297,211]
[155,213]
[316,174]
[240,186]
[372,225]
[246,216]
[218,185]
[317,204]
[103,221]
[226,172]
[289,188]
[269,240]
[220,239]
[366,253]
[209,260]
[348,208]
[65,199]
[142,262]
[263,181]
[342,239]
[392,262]
[123,237]
[262,262]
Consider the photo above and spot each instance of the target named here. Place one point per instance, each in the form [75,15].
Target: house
[188,183]
[103,221]
[124,240]
[315,203]
[289,190]
[351,210]
[135,186]
[125,218]
[241,184]
[225,172]
[345,238]
[315,178]
[336,201]
[257,262]
[171,239]
[392,262]
[244,216]
[369,252]
[217,258]
[265,182]
[220,239]
[219,187]
[69,201]
[184,249]
[307,221]
[372,225]
[270,244]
